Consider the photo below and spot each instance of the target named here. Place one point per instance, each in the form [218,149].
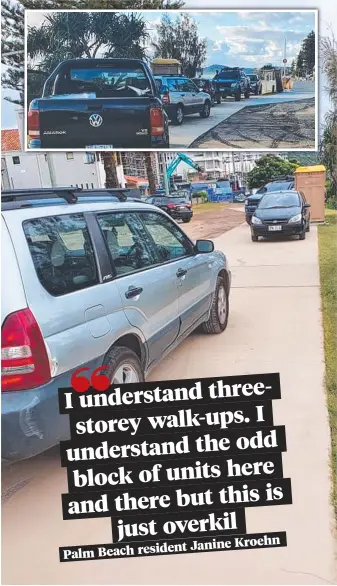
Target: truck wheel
[218,319]
[257,91]
[247,95]
[186,220]
[178,116]
[205,112]
[218,99]
[123,366]
[237,97]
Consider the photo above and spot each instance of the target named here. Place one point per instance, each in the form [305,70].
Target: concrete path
[274,326]
[194,126]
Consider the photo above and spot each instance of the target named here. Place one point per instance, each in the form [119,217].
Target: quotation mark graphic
[81,383]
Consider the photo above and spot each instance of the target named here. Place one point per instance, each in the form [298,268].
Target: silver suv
[91,280]
[182,97]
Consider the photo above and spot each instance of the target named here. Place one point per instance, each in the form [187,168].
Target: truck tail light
[171,206]
[25,362]
[34,123]
[156,121]
[166,98]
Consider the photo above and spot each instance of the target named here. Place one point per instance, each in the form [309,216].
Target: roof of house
[10,140]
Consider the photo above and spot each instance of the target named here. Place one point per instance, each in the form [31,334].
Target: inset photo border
[143,80]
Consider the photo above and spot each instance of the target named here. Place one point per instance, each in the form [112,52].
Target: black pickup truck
[99,104]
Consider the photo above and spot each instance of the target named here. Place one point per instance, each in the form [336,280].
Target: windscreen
[229,74]
[105,81]
[253,77]
[280,200]
[278,186]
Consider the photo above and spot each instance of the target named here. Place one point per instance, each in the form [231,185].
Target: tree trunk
[109,162]
[150,173]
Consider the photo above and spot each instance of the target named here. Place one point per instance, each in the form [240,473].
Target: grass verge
[327,242]
[210,206]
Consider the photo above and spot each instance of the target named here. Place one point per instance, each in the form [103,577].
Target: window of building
[16,160]
[62,253]
[89,158]
[69,156]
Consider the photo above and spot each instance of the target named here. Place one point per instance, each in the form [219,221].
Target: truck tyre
[186,220]
[178,116]
[257,91]
[247,95]
[205,112]
[237,96]
[218,98]
[218,318]
[123,366]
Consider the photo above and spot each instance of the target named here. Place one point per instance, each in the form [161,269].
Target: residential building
[134,165]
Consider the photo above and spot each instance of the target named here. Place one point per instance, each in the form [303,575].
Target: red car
[206,85]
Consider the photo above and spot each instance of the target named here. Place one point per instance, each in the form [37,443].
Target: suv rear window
[104,81]
[230,74]
[62,253]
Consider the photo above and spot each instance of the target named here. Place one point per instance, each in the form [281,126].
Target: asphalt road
[274,326]
[194,126]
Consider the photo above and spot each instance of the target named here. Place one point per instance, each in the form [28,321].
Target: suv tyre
[178,116]
[218,319]
[237,96]
[123,366]
[205,112]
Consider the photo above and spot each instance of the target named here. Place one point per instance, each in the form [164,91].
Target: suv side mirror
[204,246]
[307,205]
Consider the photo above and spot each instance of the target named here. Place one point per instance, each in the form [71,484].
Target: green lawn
[327,241]
[209,207]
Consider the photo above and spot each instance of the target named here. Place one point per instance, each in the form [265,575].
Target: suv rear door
[147,289]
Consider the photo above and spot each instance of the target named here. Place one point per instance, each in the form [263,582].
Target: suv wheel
[178,116]
[247,94]
[186,220]
[218,318]
[302,235]
[237,96]
[123,366]
[205,112]
[218,99]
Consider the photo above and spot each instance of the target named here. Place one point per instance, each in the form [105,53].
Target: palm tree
[149,171]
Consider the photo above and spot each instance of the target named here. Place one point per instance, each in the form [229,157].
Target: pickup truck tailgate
[82,123]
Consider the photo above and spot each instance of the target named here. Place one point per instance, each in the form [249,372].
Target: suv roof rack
[20,198]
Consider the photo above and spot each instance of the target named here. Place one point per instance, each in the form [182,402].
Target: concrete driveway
[274,326]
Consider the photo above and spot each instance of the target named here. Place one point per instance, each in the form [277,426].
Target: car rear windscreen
[276,200]
[230,74]
[278,186]
[104,81]
[253,77]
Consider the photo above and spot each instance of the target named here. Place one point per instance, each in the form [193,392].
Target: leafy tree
[328,142]
[66,35]
[12,49]
[308,48]
[179,39]
[268,167]
[300,64]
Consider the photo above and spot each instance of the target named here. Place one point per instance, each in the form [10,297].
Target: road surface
[194,126]
[274,326]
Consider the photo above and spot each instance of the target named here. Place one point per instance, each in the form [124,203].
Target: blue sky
[252,38]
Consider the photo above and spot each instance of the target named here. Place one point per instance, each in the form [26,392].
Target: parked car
[231,82]
[179,208]
[281,213]
[206,85]
[99,103]
[88,281]
[181,97]
[255,84]
[280,184]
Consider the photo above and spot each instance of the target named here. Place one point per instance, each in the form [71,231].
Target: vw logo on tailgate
[95,120]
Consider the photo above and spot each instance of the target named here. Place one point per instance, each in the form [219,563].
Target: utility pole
[285,58]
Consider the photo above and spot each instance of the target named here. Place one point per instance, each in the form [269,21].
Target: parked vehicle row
[121,103]
[92,280]
[179,208]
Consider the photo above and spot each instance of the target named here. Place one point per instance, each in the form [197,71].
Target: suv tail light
[156,121]
[34,123]
[188,204]
[25,361]
[166,98]
[171,205]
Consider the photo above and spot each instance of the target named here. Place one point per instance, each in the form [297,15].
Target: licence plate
[274,228]
[101,147]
